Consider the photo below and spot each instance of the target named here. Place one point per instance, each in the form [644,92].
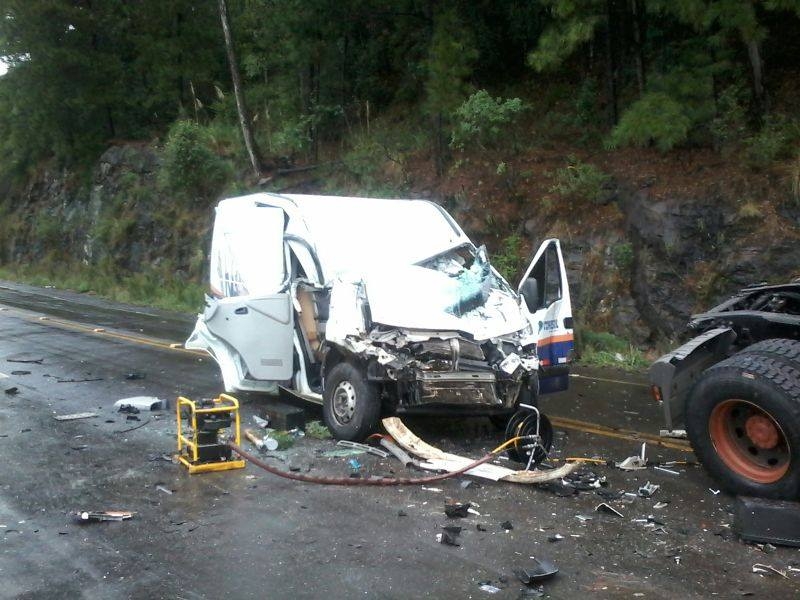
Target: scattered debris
[767,569]
[402,513]
[607,508]
[12,391]
[480,527]
[660,505]
[468,483]
[106,515]
[135,376]
[583,518]
[584,480]
[28,361]
[431,489]
[634,463]
[715,492]
[132,418]
[539,569]
[263,423]
[74,416]
[507,525]
[455,509]
[488,587]
[85,380]
[449,535]
[398,452]
[365,447]
[354,464]
[648,489]
[342,453]
[166,490]
[318,431]
[138,403]
[556,537]
[673,433]
[665,470]
[20,372]
[81,447]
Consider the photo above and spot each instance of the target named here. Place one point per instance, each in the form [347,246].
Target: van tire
[351,405]
[743,420]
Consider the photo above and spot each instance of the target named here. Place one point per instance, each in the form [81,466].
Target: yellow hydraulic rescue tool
[206,448]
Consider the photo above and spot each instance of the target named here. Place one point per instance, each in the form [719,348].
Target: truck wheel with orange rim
[743,419]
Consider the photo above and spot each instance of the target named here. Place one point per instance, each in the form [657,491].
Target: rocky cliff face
[639,262]
[114,219]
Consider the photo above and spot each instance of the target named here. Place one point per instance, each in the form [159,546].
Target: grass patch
[601,349]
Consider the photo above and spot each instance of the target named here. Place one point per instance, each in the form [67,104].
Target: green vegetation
[509,260]
[607,350]
[485,121]
[580,181]
[190,168]
[655,119]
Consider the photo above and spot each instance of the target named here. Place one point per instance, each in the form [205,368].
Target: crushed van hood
[414,297]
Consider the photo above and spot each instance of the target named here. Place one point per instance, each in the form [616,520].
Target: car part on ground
[736,386]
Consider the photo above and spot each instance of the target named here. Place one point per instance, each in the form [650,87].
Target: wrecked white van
[372,306]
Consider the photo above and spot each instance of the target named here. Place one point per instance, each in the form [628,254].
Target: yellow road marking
[621,434]
[163,345]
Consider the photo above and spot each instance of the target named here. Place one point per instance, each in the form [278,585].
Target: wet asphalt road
[248,534]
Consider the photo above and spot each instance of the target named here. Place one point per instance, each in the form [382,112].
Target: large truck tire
[743,420]
[786,349]
[351,405]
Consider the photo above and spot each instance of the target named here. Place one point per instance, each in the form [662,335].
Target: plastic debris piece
[583,518]
[715,492]
[607,508]
[166,490]
[74,416]
[106,515]
[263,423]
[648,489]
[455,509]
[634,463]
[12,391]
[540,568]
[136,404]
[555,538]
[488,587]
[507,525]
[354,464]
[660,505]
[135,376]
[431,489]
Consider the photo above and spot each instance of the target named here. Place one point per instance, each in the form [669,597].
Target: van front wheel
[351,405]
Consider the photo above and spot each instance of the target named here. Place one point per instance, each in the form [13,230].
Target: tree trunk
[611,63]
[638,37]
[757,71]
[241,107]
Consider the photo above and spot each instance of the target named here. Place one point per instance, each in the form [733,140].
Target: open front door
[545,293]
[248,324]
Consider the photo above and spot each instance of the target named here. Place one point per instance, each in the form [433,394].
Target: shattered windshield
[470,271]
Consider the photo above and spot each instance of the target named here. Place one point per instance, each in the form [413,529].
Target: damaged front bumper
[446,372]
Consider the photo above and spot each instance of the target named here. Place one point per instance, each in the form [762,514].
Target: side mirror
[530,292]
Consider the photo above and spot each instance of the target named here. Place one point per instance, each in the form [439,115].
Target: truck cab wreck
[736,387]
[372,306]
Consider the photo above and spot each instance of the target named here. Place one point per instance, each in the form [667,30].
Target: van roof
[358,234]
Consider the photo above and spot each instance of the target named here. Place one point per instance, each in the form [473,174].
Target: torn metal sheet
[437,460]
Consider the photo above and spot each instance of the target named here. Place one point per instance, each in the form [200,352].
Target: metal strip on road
[563,422]
[618,381]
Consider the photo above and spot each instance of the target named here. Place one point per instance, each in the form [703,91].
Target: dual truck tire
[743,420]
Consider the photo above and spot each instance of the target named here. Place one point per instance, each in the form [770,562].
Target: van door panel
[261,330]
[551,316]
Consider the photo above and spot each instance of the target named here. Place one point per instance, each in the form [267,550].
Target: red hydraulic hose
[352,480]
